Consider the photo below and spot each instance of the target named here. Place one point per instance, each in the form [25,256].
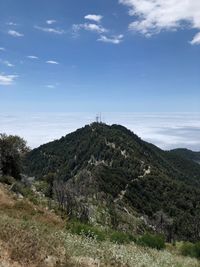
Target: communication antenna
[97,118]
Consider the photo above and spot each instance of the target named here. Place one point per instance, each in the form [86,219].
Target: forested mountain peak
[114,177]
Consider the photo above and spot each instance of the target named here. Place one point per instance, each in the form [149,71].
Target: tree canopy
[12,150]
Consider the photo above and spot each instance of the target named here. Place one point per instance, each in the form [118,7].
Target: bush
[121,238]
[152,241]
[87,230]
[197,250]
[20,188]
[187,249]
[7,180]
[191,250]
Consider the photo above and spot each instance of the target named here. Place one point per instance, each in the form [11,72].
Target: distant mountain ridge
[123,181]
[188,154]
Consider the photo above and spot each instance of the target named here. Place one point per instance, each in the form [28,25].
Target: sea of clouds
[166,130]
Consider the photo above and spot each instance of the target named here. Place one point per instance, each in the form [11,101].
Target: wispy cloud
[11,23]
[92,27]
[93,17]
[50,21]
[95,26]
[196,39]
[50,86]
[7,79]
[50,30]
[153,16]
[32,57]
[117,39]
[15,33]
[7,63]
[2,49]
[52,62]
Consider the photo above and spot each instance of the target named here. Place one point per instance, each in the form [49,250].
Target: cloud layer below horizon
[166,130]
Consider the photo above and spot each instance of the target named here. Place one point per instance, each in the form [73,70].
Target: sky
[118,57]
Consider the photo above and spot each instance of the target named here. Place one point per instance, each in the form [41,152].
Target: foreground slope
[32,236]
[122,181]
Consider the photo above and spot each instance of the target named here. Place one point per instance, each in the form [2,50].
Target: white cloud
[11,23]
[52,62]
[7,63]
[153,16]
[7,79]
[196,39]
[96,18]
[50,30]
[32,57]
[89,27]
[50,21]
[2,49]
[15,33]
[50,86]
[113,39]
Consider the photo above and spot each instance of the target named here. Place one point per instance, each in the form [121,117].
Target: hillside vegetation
[32,236]
[107,175]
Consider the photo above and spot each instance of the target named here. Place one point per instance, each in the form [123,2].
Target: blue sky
[97,55]
[140,73]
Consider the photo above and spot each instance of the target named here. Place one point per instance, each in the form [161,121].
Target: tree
[164,224]
[12,150]
[68,202]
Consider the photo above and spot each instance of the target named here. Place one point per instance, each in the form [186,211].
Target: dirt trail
[123,192]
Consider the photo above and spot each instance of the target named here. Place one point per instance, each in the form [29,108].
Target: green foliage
[24,190]
[20,188]
[187,249]
[152,241]
[121,238]
[7,179]
[190,249]
[187,154]
[86,230]
[116,157]
[12,149]
[90,231]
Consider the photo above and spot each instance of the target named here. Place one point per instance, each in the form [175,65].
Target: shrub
[190,249]
[19,188]
[152,241]
[197,250]
[7,180]
[121,238]
[87,230]
[187,249]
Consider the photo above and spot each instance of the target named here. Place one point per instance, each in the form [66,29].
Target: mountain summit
[107,175]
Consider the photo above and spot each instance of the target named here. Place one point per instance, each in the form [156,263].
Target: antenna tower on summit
[98,118]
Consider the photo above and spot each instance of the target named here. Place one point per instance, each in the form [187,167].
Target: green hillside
[109,176]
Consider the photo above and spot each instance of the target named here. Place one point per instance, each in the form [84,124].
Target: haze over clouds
[166,130]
